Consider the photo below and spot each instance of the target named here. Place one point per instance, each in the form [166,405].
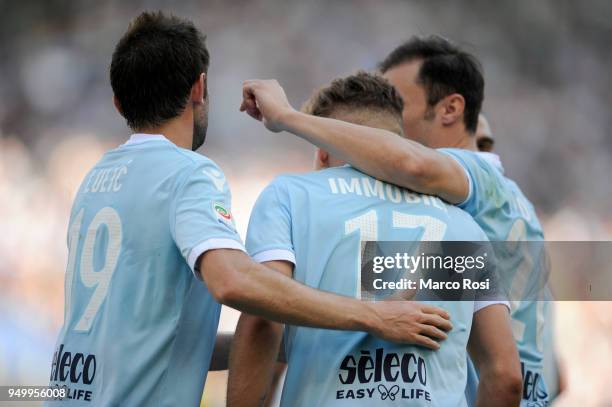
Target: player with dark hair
[445,70]
[554,373]
[153,249]
[310,227]
[442,87]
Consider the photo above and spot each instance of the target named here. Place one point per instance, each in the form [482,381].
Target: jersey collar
[139,138]
[492,159]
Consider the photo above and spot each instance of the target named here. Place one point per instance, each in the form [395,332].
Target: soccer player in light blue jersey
[310,226]
[153,250]
[554,375]
[443,89]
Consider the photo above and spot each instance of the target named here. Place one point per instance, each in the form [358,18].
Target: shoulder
[482,174]
[465,227]
[312,180]
[191,160]
[196,169]
[280,188]
[290,180]
[465,157]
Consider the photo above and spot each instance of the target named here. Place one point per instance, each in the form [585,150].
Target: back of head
[445,69]
[154,66]
[363,98]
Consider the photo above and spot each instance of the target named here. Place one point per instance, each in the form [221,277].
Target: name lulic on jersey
[106,179]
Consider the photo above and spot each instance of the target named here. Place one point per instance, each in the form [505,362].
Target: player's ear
[198,90]
[321,159]
[451,109]
[117,105]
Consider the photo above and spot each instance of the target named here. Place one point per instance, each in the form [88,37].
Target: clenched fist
[265,100]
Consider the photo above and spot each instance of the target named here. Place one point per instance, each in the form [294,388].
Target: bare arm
[384,155]
[254,353]
[379,153]
[237,281]
[493,350]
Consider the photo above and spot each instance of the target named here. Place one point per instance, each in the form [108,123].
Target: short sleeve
[478,305]
[480,178]
[495,294]
[202,218]
[269,233]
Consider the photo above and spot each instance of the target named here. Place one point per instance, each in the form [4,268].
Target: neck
[456,139]
[178,130]
[467,142]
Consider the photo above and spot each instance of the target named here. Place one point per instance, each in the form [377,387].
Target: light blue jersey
[500,208]
[316,221]
[139,327]
[552,373]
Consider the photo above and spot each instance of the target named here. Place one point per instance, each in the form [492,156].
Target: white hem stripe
[211,244]
[275,255]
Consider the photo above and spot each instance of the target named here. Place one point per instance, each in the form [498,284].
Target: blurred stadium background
[548,97]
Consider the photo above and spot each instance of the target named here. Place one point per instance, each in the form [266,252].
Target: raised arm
[237,281]
[377,152]
[493,350]
[254,354]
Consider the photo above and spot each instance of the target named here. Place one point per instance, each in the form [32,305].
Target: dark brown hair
[154,66]
[446,69]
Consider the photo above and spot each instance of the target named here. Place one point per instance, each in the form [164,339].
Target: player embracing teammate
[442,88]
[153,250]
[290,232]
